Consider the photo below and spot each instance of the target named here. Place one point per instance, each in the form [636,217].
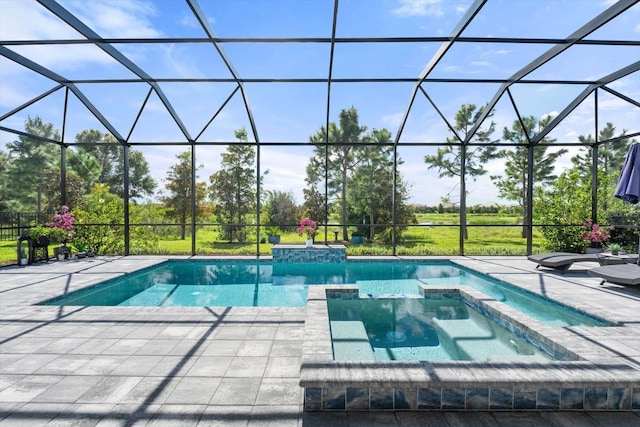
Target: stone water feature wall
[315,253]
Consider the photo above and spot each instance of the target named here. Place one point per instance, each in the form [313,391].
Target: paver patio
[133,366]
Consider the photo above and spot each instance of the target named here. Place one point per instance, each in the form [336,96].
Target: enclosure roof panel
[286,57]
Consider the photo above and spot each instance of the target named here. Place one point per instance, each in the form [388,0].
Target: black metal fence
[12,223]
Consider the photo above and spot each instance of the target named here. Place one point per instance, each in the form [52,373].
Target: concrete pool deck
[190,366]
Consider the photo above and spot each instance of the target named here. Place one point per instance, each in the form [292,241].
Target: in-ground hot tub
[424,329]
[577,381]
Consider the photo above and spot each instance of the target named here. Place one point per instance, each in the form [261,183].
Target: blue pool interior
[422,329]
[261,283]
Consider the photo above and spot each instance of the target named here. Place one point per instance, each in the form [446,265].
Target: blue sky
[290,112]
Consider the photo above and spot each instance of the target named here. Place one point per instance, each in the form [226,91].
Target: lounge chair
[623,274]
[561,261]
[539,257]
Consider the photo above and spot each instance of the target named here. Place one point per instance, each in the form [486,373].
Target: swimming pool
[262,283]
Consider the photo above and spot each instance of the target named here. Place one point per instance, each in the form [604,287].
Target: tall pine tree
[232,189]
[513,185]
[178,185]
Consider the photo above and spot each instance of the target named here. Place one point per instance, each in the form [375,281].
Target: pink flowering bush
[58,230]
[307,227]
[594,233]
[63,220]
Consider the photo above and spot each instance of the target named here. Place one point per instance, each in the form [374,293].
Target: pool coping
[597,382]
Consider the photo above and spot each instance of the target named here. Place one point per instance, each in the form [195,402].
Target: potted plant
[81,247]
[61,252]
[307,228]
[273,235]
[595,235]
[59,230]
[40,241]
[614,248]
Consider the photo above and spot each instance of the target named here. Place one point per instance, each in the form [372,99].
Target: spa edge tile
[524,398]
[429,398]
[572,398]
[596,398]
[357,399]
[313,398]
[548,398]
[406,399]
[333,398]
[477,399]
[619,398]
[381,399]
[635,399]
[453,398]
[500,398]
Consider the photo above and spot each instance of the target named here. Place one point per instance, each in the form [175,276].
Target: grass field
[435,234]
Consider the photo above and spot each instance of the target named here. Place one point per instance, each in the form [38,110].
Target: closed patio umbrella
[628,188]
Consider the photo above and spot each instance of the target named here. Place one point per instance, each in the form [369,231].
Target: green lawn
[437,234]
[8,252]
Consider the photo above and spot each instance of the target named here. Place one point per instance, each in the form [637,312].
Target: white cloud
[155,106]
[288,179]
[11,97]
[618,84]
[116,18]
[452,68]
[61,58]
[418,8]
[547,87]
[551,114]
[189,21]
[613,103]
[393,119]
[179,62]
[21,20]
[424,127]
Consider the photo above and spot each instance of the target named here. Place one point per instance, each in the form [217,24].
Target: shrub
[567,201]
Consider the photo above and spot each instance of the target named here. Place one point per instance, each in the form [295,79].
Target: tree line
[353,173]
[513,183]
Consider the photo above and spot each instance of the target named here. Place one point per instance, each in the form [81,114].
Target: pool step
[517,358]
[463,329]
[385,287]
[485,350]
[474,339]
[153,296]
[350,341]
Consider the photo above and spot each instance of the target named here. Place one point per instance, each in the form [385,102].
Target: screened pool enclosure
[418,127]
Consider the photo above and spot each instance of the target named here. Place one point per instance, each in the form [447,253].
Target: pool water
[262,284]
[421,329]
